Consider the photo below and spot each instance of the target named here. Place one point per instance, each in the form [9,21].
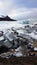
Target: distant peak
[6,18]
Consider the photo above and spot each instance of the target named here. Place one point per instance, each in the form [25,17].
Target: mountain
[6,18]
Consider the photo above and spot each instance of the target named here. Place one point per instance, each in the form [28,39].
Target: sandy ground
[35,44]
[19,61]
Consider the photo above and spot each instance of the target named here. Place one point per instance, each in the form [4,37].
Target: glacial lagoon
[9,24]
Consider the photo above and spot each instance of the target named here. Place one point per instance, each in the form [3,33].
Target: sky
[19,9]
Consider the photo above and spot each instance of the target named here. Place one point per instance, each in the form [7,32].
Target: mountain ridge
[6,18]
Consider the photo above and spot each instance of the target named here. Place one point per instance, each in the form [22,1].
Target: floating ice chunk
[35,49]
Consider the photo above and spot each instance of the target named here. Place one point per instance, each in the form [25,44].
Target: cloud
[23,13]
[19,9]
[1,4]
[5,6]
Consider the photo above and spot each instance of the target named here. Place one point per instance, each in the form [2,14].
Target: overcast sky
[19,9]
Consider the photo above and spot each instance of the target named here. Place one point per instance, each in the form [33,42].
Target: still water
[9,24]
